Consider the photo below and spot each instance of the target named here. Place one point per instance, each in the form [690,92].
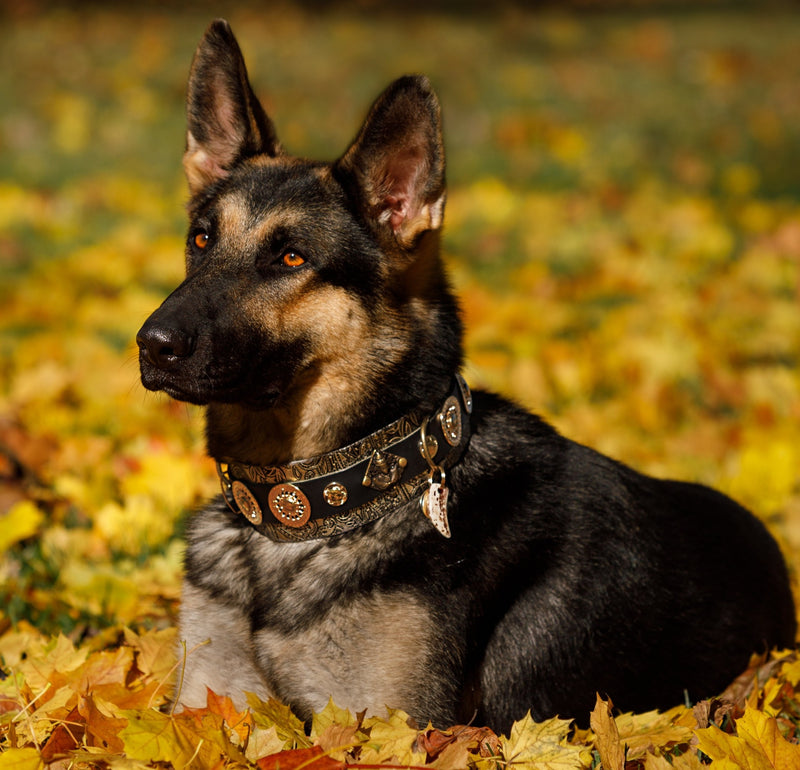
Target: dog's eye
[292,259]
[201,240]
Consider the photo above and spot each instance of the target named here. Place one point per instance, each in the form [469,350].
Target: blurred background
[623,226]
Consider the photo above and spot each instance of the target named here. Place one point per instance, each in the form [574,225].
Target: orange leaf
[313,758]
[240,722]
[103,730]
[65,738]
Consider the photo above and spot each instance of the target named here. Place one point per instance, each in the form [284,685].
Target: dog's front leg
[216,642]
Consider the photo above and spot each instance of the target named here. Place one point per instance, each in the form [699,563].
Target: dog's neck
[322,416]
[332,493]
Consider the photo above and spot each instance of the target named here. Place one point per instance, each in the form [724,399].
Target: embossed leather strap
[341,490]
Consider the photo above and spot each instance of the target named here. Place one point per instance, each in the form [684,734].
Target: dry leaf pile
[623,226]
[106,704]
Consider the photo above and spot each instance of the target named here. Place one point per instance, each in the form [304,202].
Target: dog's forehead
[262,191]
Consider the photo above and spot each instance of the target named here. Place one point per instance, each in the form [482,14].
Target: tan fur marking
[335,379]
[340,375]
[243,231]
[365,655]
[218,641]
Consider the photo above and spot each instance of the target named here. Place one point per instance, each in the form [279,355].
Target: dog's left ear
[226,122]
[395,166]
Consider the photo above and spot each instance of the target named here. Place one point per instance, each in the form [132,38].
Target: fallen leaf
[22,520]
[102,727]
[331,715]
[66,737]
[758,744]
[391,740]
[155,652]
[313,758]
[273,713]
[543,746]
[263,741]
[20,759]
[151,736]
[607,740]
[655,730]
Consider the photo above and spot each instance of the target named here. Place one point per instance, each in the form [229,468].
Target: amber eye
[293,259]
[201,240]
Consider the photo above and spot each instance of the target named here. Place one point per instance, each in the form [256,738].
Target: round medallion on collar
[335,494]
[289,505]
[246,501]
[450,420]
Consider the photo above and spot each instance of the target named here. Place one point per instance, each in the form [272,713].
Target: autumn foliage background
[623,226]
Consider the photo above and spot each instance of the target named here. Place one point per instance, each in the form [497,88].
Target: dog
[386,537]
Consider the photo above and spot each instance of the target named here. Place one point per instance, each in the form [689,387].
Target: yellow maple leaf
[639,732]
[156,652]
[330,715]
[334,730]
[151,736]
[391,739]
[273,713]
[22,520]
[543,746]
[263,742]
[791,672]
[757,746]
[20,759]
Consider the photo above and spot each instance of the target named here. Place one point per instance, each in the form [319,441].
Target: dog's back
[385,538]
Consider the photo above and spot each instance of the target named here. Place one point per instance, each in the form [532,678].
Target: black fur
[567,573]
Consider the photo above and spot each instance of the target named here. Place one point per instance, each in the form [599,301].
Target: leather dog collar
[330,494]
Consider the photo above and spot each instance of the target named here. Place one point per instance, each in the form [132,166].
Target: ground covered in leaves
[623,226]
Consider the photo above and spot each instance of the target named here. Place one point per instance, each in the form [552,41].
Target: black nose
[163,347]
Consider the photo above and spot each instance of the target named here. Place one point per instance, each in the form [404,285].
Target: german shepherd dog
[385,537]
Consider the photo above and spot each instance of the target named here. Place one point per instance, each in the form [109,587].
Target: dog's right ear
[226,122]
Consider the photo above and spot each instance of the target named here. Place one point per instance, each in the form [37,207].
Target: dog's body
[315,312]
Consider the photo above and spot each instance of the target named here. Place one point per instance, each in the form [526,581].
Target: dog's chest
[363,654]
[321,626]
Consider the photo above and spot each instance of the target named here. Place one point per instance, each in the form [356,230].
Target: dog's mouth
[204,391]
[223,367]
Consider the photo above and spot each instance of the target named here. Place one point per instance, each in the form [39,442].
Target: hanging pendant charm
[434,502]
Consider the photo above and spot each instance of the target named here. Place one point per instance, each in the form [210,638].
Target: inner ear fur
[226,122]
[395,166]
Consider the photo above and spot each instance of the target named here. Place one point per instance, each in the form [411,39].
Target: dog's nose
[164,347]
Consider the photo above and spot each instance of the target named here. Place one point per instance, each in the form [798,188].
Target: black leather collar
[341,490]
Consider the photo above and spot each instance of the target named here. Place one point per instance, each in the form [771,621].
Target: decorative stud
[431,444]
[466,393]
[450,420]
[384,469]
[289,505]
[246,501]
[335,494]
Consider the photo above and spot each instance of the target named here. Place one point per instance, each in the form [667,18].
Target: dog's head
[307,284]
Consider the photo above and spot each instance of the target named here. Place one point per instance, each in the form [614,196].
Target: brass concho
[450,420]
[432,446]
[289,505]
[248,505]
[335,494]
[384,469]
[466,394]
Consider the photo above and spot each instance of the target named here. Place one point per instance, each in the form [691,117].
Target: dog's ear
[395,166]
[226,122]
